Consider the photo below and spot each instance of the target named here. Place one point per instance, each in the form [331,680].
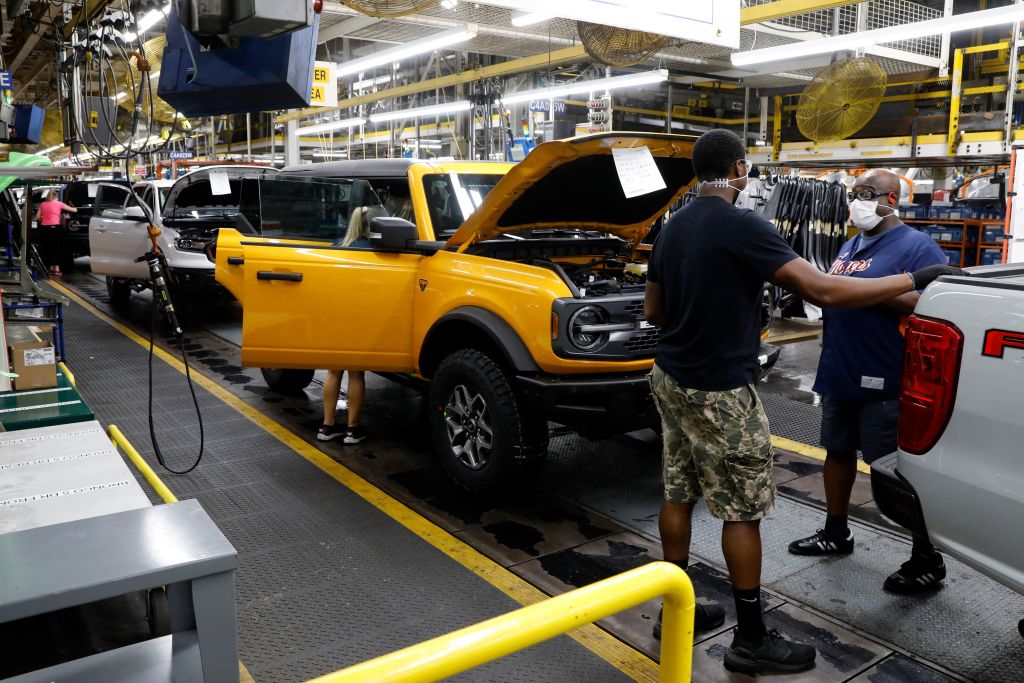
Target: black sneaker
[772,653]
[329,432]
[705,618]
[918,574]
[354,435]
[822,544]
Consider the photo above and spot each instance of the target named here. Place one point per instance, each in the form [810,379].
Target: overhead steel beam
[770,11]
[32,39]
[21,85]
[543,60]
[345,27]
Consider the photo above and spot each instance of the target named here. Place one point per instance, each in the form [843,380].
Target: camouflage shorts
[716,445]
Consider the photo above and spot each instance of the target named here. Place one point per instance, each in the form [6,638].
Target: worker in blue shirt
[859,371]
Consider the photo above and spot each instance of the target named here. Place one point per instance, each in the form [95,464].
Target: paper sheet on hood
[219,183]
[637,171]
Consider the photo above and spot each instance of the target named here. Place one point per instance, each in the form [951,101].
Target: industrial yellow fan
[619,46]
[841,100]
[53,128]
[130,82]
[385,9]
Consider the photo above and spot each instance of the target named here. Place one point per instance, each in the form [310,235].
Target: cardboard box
[35,364]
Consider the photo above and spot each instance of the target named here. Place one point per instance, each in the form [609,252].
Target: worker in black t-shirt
[704,286]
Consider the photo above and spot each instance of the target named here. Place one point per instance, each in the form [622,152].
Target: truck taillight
[931,371]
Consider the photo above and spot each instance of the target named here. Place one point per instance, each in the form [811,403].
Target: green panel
[21,159]
[43,407]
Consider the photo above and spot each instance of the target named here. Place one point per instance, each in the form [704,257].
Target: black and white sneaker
[354,435]
[772,654]
[823,544]
[329,432]
[705,618]
[918,574]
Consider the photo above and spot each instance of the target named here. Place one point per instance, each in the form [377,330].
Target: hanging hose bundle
[811,215]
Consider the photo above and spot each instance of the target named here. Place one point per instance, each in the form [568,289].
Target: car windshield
[453,197]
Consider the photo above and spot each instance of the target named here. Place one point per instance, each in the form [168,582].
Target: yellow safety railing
[125,445]
[472,646]
[67,373]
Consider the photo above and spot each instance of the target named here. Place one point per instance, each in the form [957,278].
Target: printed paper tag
[39,357]
[872,382]
[219,183]
[38,313]
[91,188]
[637,171]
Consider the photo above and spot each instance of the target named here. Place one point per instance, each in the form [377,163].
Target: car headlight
[585,328]
[191,244]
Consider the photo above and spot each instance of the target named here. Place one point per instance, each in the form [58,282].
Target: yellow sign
[325,86]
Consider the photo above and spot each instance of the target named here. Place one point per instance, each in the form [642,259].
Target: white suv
[188,211]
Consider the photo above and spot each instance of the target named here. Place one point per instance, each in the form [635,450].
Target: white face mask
[722,182]
[863,213]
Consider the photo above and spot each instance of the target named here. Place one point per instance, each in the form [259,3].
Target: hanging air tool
[157,274]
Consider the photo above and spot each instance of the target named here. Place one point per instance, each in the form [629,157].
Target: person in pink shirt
[50,232]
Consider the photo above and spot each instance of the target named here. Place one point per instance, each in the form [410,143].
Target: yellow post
[954,102]
[67,373]
[461,650]
[122,442]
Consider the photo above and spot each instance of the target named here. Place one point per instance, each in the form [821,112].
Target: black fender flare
[495,328]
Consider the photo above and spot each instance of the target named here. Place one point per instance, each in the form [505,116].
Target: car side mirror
[392,233]
[136,213]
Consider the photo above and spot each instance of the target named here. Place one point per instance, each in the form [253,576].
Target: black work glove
[923,277]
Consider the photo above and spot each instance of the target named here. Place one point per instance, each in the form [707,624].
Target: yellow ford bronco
[514,291]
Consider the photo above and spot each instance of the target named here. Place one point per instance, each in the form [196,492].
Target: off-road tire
[519,437]
[119,290]
[287,381]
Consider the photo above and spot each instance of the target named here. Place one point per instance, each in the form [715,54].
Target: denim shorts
[870,427]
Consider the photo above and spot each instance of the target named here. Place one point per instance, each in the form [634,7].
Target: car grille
[635,307]
[644,340]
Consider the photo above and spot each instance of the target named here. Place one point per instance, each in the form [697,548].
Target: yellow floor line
[811,451]
[617,653]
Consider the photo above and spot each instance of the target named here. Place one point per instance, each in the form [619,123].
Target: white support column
[947,10]
[291,143]
[1015,250]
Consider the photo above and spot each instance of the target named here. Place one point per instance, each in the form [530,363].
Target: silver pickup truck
[958,475]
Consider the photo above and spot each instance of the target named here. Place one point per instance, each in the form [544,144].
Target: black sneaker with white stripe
[918,574]
[823,544]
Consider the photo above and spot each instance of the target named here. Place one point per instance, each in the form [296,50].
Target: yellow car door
[308,301]
[310,305]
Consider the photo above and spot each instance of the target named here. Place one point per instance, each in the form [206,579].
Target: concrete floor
[594,514]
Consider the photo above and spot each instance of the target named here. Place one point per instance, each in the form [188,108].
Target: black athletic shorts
[866,426]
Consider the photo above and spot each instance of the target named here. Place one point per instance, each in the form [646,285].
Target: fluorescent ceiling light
[150,19]
[576,87]
[331,125]
[400,52]
[853,41]
[370,82]
[421,112]
[325,153]
[520,19]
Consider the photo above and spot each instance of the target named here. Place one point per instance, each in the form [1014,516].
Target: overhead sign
[141,170]
[6,80]
[325,85]
[715,22]
[545,106]
[180,155]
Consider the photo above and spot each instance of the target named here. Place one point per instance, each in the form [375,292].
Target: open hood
[193,189]
[574,184]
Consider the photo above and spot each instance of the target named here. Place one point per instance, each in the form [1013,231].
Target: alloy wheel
[468,423]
